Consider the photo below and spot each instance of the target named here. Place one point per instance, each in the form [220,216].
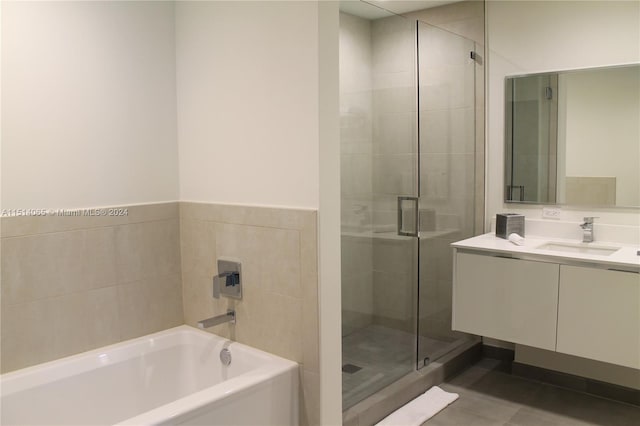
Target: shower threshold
[379,405]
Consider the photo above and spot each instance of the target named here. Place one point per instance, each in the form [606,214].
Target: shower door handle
[408,216]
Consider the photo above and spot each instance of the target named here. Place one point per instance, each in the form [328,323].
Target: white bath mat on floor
[420,409]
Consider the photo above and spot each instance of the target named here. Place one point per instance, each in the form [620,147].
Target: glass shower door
[446,85]
[379,165]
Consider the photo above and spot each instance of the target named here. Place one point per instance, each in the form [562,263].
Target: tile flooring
[383,355]
[489,397]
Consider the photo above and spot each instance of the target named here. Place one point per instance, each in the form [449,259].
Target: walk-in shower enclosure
[407,107]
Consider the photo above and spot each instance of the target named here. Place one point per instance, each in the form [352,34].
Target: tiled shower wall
[394,169]
[356,148]
[75,283]
[356,132]
[466,18]
[394,124]
[377,109]
[378,142]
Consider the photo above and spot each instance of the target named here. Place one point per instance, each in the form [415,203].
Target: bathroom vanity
[581,299]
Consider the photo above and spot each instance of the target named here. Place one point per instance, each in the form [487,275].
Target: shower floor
[383,355]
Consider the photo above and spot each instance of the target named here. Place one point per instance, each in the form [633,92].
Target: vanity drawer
[507,299]
[599,315]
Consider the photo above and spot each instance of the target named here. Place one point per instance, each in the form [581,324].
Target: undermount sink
[582,248]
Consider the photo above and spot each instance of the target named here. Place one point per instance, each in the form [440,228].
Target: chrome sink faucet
[587,229]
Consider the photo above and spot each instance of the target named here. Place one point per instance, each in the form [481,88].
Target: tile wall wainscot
[279,309]
[74,283]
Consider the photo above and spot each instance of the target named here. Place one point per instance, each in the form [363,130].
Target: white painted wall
[247,78]
[532,36]
[88,104]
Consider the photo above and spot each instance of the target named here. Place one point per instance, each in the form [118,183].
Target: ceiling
[368,10]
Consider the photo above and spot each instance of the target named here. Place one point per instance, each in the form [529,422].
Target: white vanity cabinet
[599,315]
[587,311]
[507,299]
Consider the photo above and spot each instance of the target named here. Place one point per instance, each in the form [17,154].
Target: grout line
[88,290]
[287,228]
[115,225]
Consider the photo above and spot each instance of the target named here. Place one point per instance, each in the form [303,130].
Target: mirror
[573,137]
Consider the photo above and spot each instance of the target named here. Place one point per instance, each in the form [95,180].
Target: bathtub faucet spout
[230,316]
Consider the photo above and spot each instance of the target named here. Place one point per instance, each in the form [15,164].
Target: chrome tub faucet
[230,316]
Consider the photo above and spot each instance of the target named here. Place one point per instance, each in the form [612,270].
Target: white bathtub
[171,377]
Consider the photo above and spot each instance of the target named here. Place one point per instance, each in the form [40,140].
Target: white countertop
[625,256]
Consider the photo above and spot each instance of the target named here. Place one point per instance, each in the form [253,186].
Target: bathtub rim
[50,371]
